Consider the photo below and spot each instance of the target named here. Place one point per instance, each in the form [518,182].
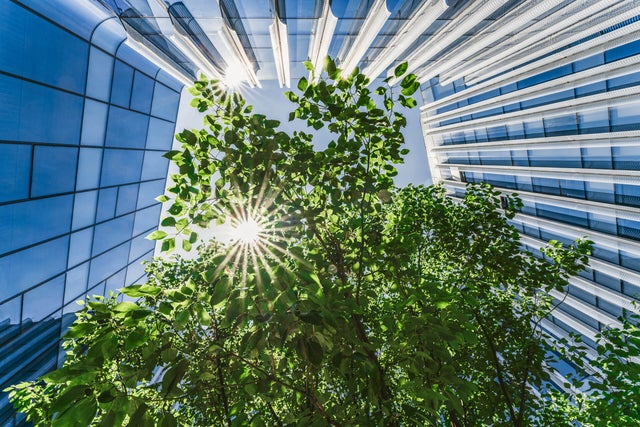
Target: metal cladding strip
[420,20]
[452,31]
[280,44]
[514,20]
[586,140]
[586,29]
[610,40]
[614,176]
[538,32]
[587,309]
[173,71]
[607,268]
[614,97]
[572,81]
[611,296]
[598,208]
[321,39]
[233,44]
[373,23]
[601,239]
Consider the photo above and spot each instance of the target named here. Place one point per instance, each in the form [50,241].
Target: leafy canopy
[354,302]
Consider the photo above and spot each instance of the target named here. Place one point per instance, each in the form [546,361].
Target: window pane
[160,135]
[89,168]
[121,88]
[127,196]
[112,233]
[100,71]
[76,283]
[43,300]
[15,171]
[26,223]
[126,128]
[80,246]
[94,122]
[165,103]
[121,167]
[142,93]
[54,170]
[106,204]
[155,166]
[17,272]
[84,209]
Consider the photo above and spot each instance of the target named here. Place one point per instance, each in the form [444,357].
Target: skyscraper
[538,97]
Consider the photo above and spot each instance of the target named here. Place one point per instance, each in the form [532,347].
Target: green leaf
[157,235]
[400,69]
[303,84]
[168,222]
[125,306]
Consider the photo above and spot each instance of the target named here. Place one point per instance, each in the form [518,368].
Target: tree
[343,300]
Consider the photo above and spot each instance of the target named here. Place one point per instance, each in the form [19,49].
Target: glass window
[107,204]
[583,295]
[165,102]
[89,168]
[160,135]
[146,219]
[116,281]
[628,288]
[104,265]
[515,130]
[76,283]
[561,125]
[564,158]
[593,121]
[625,116]
[121,167]
[599,191]
[591,89]
[84,209]
[546,185]
[49,115]
[597,157]
[127,197]
[606,224]
[567,216]
[100,72]
[55,57]
[606,280]
[26,223]
[112,233]
[626,158]
[589,62]
[149,191]
[630,260]
[94,122]
[10,95]
[15,171]
[612,309]
[43,300]
[571,188]
[142,93]
[523,183]
[627,194]
[10,314]
[140,246]
[80,246]
[545,77]
[135,272]
[17,272]
[497,133]
[54,170]
[126,128]
[629,228]
[122,82]
[623,51]
[605,253]
[534,128]
[155,166]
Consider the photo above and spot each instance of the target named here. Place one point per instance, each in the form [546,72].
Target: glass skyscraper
[538,97]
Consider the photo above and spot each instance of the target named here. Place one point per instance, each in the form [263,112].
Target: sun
[247,232]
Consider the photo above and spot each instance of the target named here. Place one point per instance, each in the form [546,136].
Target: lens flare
[247,232]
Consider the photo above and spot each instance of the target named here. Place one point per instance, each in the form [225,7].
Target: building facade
[538,97]
[84,121]
[545,102]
